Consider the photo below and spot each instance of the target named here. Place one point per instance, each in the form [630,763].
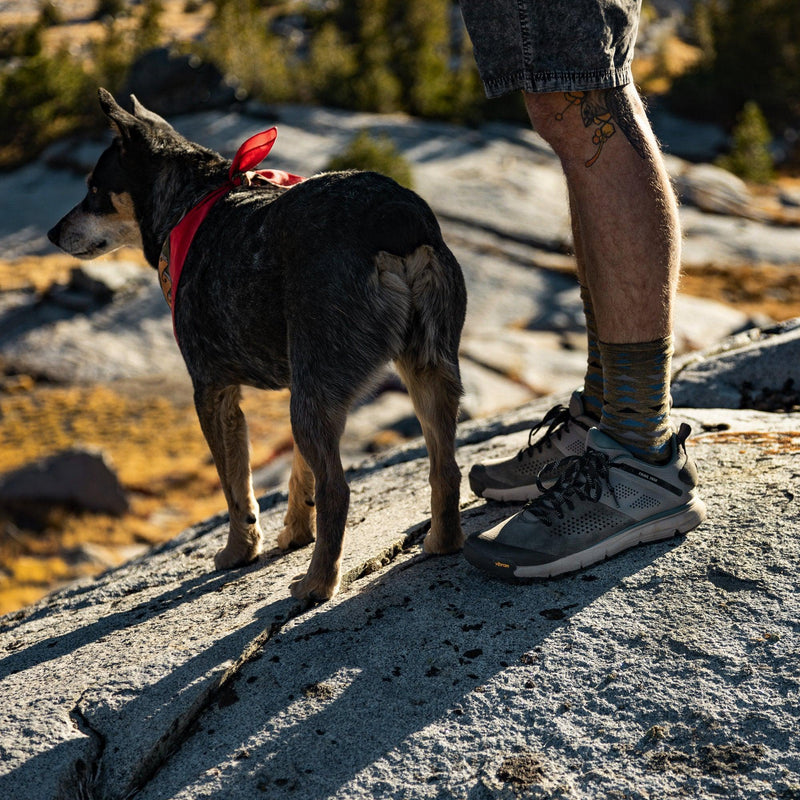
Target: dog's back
[346,270]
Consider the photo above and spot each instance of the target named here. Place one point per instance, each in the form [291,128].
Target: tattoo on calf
[606,110]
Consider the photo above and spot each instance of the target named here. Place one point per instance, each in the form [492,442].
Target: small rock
[105,278]
[77,478]
[716,190]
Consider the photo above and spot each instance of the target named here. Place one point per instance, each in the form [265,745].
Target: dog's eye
[93,189]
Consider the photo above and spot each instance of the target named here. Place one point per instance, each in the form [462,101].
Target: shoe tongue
[597,440]
[576,408]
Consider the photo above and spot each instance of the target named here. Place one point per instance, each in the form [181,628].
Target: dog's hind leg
[225,429]
[435,391]
[428,365]
[318,425]
[299,520]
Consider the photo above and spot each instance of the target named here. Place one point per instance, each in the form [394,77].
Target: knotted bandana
[176,246]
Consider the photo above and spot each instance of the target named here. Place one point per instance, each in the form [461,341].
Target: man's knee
[545,110]
[571,121]
[560,119]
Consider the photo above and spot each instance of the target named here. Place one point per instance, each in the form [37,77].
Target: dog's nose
[54,234]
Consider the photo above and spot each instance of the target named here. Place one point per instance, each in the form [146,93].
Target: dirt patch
[755,289]
[776,443]
[524,769]
[784,399]
[711,759]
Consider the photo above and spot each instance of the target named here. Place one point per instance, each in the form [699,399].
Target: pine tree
[750,157]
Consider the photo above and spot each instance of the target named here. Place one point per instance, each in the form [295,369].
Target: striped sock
[636,396]
[592,392]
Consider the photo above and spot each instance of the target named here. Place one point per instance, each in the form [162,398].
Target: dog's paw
[440,544]
[237,556]
[309,587]
[295,536]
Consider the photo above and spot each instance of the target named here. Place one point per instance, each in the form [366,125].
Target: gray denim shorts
[552,45]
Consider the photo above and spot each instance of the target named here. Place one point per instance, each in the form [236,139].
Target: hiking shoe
[515,479]
[603,502]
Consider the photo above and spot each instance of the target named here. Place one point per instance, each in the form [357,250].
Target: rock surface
[670,670]
[736,371]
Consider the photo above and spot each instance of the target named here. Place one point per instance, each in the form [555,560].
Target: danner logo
[649,477]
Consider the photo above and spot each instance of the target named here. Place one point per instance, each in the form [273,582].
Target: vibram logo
[501,564]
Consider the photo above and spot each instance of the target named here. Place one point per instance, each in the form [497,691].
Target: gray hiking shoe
[605,501]
[515,478]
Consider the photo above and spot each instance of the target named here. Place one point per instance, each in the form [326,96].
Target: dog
[314,285]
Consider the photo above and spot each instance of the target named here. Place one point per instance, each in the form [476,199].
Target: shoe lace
[557,416]
[581,477]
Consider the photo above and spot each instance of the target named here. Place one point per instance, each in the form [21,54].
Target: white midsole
[652,530]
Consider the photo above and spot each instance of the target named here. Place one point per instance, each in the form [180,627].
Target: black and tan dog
[314,287]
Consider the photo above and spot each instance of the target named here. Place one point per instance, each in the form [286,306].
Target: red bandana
[249,155]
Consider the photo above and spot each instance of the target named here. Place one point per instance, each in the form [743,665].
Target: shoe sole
[650,530]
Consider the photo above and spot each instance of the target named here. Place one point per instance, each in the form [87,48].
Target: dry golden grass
[753,288]
[161,459]
[655,74]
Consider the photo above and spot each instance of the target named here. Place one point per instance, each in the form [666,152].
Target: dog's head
[105,219]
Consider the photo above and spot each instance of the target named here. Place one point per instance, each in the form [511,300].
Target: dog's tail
[427,289]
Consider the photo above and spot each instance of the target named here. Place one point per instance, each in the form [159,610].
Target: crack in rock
[184,726]
[82,783]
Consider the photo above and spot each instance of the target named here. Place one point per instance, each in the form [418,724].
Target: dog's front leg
[225,429]
[299,521]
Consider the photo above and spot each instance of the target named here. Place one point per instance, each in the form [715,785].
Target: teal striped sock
[592,392]
[636,396]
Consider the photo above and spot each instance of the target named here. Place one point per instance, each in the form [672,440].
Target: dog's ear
[144,114]
[123,121]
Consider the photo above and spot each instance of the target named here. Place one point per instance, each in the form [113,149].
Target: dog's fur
[314,287]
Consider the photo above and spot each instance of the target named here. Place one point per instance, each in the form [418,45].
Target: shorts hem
[527,81]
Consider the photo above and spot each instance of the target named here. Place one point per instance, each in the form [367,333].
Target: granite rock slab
[667,671]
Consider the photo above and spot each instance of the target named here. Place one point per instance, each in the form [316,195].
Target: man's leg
[635,482]
[625,233]
[628,245]
[626,210]
[592,391]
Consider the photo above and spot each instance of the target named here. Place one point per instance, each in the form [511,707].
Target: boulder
[715,190]
[760,366]
[171,83]
[80,479]
[662,672]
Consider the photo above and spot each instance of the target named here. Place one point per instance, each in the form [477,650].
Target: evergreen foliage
[109,9]
[752,53]
[370,55]
[148,32]
[51,94]
[50,14]
[44,98]
[750,157]
[375,153]
[240,42]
